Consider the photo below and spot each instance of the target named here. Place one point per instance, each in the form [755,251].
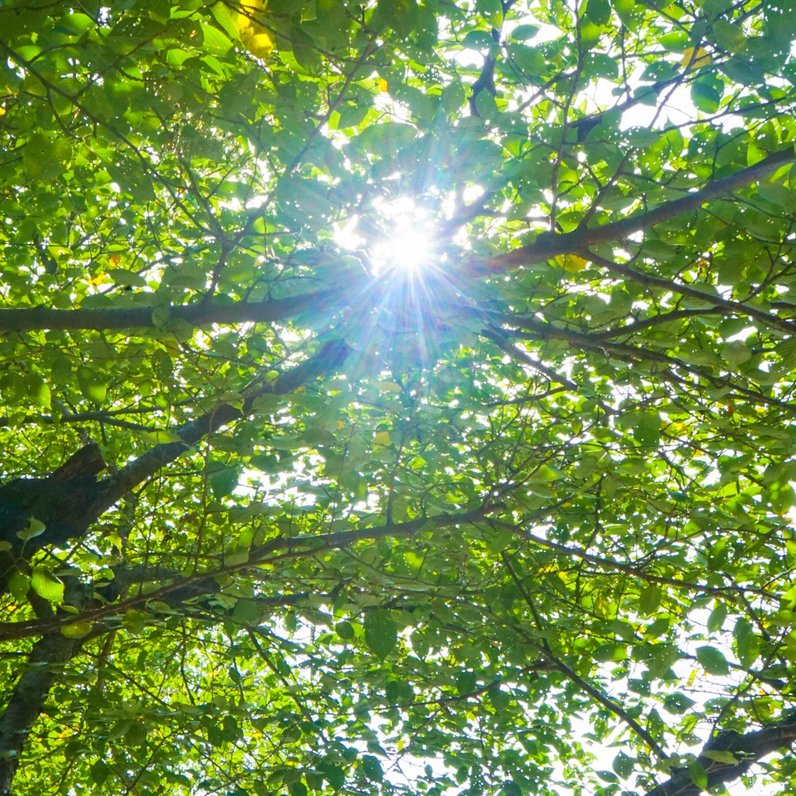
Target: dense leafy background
[530,532]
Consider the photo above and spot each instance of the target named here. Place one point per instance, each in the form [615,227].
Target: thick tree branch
[549,245]
[27,699]
[543,248]
[202,314]
[271,552]
[67,501]
[746,748]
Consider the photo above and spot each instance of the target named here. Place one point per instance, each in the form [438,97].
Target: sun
[407,246]
[407,251]
[399,237]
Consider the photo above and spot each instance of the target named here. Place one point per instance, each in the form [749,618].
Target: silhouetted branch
[746,748]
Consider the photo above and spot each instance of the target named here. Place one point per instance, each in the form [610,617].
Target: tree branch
[68,501]
[571,674]
[202,314]
[549,245]
[270,552]
[746,748]
[729,306]
[30,693]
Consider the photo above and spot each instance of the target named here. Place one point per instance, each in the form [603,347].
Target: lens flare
[408,251]
[408,245]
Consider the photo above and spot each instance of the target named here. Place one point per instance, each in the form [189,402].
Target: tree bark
[27,699]
[747,748]
[200,314]
[550,245]
[71,498]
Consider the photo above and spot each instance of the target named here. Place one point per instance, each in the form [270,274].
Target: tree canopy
[397,397]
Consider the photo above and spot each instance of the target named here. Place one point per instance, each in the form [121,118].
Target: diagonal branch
[271,552]
[67,501]
[326,360]
[746,749]
[584,341]
[549,245]
[728,305]
[597,695]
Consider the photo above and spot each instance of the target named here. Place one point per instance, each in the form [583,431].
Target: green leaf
[706,93]
[247,613]
[333,774]
[649,599]
[371,768]
[40,392]
[598,11]
[345,630]
[91,384]
[398,14]
[224,479]
[623,765]
[721,756]
[678,703]
[697,774]
[34,528]
[99,772]
[161,437]
[381,633]
[746,642]
[47,585]
[18,585]
[728,36]
[77,629]
[524,32]
[712,660]
[126,278]
[214,40]
[717,617]
[491,10]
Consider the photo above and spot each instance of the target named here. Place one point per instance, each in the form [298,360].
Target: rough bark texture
[71,498]
[200,314]
[67,501]
[61,500]
[27,699]
[747,748]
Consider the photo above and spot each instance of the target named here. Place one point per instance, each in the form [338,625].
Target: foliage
[278,519]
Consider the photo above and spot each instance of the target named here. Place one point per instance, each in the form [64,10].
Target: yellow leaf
[382,438]
[258,44]
[382,84]
[693,58]
[253,34]
[571,263]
